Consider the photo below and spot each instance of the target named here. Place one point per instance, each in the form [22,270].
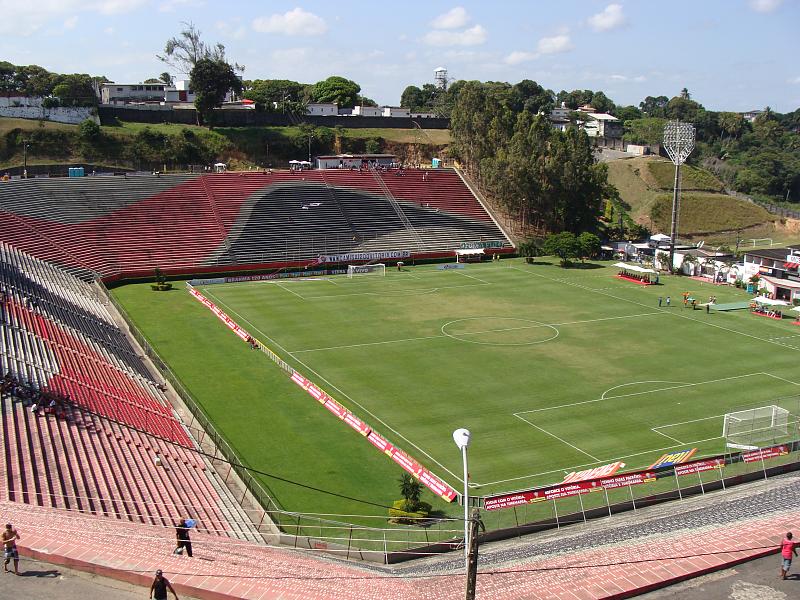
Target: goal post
[748,428]
[378,269]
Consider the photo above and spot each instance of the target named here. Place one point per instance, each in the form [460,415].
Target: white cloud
[610,18]
[71,22]
[21,19]
[765,6]
[296,22]
[518,57]
[455,18]
[555,44]
[795,80]
[474,36]
[108,31]
[636,78]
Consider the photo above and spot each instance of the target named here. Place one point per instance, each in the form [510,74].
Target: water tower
[440,77]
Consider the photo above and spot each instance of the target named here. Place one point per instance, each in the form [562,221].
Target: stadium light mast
[462,438]
[679,143]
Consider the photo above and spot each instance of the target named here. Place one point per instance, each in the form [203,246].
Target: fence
[298,530]
[523,512]
[774,209]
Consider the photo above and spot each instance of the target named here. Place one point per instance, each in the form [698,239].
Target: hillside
[645,185]
[141,146]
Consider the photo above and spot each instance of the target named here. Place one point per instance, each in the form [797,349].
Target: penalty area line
[562,440]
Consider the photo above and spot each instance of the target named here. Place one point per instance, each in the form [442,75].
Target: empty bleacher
[129,226]
[97,453]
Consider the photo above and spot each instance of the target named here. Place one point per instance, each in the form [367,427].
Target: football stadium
[270,340]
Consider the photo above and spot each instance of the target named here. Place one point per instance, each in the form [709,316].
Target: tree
[276,94]
[211,80]
[165,78]
[75,90]
[627,113]
[589,245]
[89,131]
[339,90]
[187,49]
[153,80]
[654,106]
[410,490]
[564,245]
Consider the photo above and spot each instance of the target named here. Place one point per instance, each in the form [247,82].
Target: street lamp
[25,145]
[462,438]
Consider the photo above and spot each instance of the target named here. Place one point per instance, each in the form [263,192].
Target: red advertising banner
[673,458]
[436,485]
[567,490]
[765,453]
[699,466]
[595,473]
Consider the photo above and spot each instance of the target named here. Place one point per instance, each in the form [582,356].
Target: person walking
[660,300]
[182,537]
[787,548]
[10,537]
[159,587]
[668,301]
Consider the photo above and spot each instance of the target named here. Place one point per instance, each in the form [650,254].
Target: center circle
[500,331]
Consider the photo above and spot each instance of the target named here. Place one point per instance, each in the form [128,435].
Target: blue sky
[730,54]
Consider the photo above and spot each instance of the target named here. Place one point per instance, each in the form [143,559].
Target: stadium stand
[127,226]
[95,453]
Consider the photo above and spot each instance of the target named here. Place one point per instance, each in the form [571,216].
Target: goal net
[750,428]
[359,270]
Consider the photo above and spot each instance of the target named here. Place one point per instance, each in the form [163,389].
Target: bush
[405,513]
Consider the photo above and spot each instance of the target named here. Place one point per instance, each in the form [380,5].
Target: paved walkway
[610,558]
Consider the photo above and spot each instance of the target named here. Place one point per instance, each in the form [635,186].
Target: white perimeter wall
[31,108]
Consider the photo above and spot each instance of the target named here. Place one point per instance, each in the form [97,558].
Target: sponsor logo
[673,458]
[363,256]
[596,473]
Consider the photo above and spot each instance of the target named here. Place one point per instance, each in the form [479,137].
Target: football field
[551,369]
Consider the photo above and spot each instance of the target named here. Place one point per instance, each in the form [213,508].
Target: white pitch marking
[333,387]
[690,421]
[562,440]
[471,277]
[637,393]
[673,313]
[782,379]
[397,293]
[654,430]
[288,290]
[576,467]
[414,339]
[616,387]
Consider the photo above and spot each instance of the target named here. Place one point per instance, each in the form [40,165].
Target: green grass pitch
[551,369]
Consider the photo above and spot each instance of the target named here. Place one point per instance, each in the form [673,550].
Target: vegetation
[145,146]
[704,213]
[76,89]
[413,391]
[544,178]
[211,81]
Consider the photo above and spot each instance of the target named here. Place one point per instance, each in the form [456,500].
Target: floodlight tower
[679,143]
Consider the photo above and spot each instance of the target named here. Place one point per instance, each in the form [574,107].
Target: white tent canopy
[770,301]
[796,309]
[470,252]
[634,268]
[660,237]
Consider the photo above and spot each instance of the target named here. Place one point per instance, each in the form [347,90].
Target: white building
[423,115]
[776,262]
[751,115]
[603,125]
[181,92]
[367,111]
[322,109]
[396,111]
[123,93]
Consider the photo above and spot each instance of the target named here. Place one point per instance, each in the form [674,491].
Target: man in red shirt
[787,548]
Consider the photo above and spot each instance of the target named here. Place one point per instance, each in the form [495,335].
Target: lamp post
[462,438]
[25,145]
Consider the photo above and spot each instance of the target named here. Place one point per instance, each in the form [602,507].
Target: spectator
[182,537]
[159,587]
[10,537]
[788,547]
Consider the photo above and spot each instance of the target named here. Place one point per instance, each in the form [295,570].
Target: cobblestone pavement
[744,502]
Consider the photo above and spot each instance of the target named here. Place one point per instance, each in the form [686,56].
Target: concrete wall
[73,115]
[244,118]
